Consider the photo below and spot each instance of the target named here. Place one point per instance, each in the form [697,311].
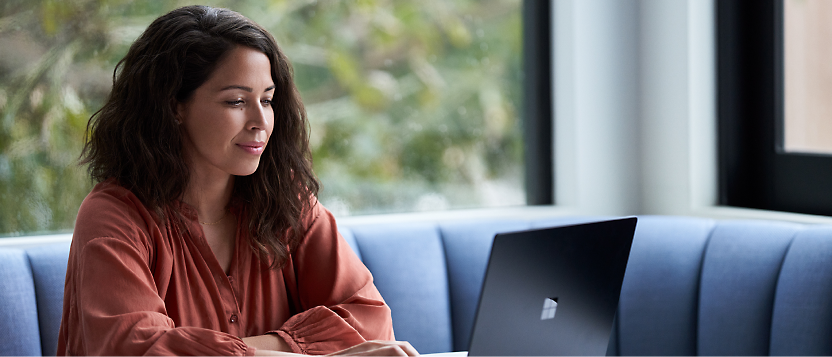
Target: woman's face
[228,120]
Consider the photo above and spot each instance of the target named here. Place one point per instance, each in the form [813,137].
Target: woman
[203,234]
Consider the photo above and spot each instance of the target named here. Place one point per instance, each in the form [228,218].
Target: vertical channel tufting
[739,277]
[48,264]
[777,286]
[467,249]
[802,317]
[697,307]
[408,265]
[19,331]
[657,309]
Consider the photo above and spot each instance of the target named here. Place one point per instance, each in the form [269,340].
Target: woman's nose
[260,117]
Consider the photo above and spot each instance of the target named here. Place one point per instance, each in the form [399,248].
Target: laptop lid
[552,291]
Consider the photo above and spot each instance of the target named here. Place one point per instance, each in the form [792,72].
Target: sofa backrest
[49,272]
[699,287]
[31,298]
[431,273]
[693,286]
[20,335]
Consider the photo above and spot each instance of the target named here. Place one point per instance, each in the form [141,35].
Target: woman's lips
[252,147]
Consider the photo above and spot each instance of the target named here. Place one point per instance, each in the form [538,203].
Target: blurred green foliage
[413,104]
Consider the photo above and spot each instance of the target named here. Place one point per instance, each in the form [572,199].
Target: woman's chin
[247,171]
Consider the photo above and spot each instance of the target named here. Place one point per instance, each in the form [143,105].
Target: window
[807,76]
[413,105]
[772,84]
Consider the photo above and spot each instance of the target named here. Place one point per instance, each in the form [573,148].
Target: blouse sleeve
[112,303]
[341,306]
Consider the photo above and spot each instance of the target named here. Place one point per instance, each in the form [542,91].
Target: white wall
[596,99]
[678,106]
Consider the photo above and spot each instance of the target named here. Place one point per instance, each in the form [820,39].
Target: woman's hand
[273,345]
[379,348]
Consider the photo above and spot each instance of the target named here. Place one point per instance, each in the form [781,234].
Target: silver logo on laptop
[550,305]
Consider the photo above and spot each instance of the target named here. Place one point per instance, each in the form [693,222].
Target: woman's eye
[266,102]
[235,103]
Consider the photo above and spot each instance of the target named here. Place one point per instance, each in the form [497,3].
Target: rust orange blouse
[135,287]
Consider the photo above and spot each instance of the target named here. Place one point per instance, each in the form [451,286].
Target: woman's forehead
[242,68]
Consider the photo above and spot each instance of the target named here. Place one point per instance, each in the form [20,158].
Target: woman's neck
[209,197]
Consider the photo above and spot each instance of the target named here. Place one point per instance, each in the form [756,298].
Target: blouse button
[233,319]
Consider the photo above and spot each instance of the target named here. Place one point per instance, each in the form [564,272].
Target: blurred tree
[413,104]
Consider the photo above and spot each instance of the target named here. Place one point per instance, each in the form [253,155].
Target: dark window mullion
[755,171]
[745,102]
[537,102]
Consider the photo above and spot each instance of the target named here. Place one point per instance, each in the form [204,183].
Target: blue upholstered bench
[693,286]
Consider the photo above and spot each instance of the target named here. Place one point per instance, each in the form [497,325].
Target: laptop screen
[552,291]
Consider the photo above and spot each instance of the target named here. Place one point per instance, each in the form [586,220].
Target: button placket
[233,318]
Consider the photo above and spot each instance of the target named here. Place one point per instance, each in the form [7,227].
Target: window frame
[754,169]
[537,110]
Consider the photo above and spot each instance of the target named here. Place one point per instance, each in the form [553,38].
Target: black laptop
[554,291]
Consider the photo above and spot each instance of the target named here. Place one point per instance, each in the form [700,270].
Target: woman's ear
[179,110]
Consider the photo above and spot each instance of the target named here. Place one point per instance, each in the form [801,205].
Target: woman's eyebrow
[247,89]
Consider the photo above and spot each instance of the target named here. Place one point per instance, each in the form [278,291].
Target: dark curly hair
[134,138]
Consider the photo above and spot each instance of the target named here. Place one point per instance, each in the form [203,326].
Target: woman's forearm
[269,345]
[266,353]
[274,345]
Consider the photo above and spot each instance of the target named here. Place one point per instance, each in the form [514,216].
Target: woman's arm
[270,342]
[273,345]
[379,348]
[339,305]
